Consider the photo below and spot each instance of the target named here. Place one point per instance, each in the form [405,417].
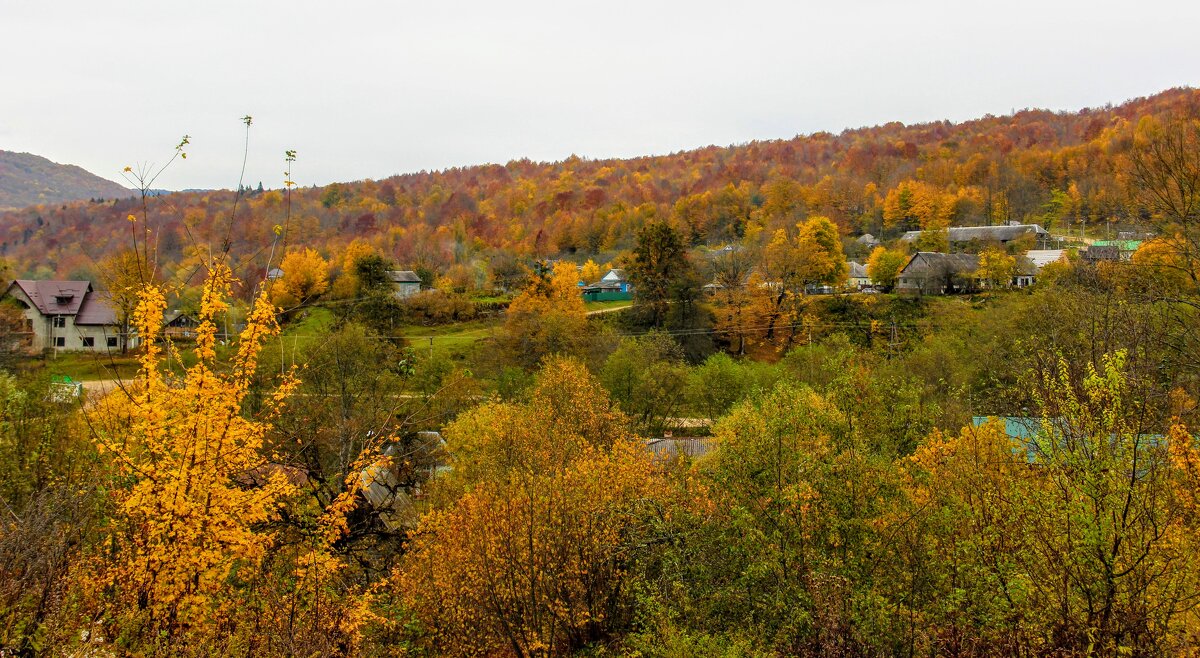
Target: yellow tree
[996,267]
[1164,177]
[305,276]
[813,255]
[548,317]
[531,558]
[1162,258]
[347,283]
[195,490]
[884,266]
[591,272]
[917,205]
[124,274]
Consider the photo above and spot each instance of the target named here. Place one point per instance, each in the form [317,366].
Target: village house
[612,286]
[178,324]
[858,278]
[933,273]
[1113,249]
[867,242]
[405,283]
[68,315]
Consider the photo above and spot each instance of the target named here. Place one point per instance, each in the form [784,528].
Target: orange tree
[533,557]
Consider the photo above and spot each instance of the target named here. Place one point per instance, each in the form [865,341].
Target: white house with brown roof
[68,315]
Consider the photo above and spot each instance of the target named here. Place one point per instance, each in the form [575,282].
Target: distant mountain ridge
[27,180]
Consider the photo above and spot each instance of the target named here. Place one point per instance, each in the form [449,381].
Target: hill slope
[1060,169]
[27,179]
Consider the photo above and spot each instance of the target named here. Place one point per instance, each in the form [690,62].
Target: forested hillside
[742,452]
[27,180]
[1059,169]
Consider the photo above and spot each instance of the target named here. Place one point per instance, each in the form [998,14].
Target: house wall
[72,335]
[406,289]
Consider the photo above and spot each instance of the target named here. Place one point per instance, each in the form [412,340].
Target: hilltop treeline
[1060,169]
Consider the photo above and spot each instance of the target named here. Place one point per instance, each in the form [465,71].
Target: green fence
[606,296]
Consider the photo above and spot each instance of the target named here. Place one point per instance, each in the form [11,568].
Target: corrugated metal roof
[984,233]
[1043,257]
[956,263]
[403,276]
[674,447]
[1123,245]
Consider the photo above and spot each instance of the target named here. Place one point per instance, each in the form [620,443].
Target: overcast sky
[371,89]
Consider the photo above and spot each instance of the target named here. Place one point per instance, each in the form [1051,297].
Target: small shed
[405,283]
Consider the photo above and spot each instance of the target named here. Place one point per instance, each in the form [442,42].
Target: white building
[68,315]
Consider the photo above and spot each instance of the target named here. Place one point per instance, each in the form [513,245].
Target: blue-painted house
[612,286]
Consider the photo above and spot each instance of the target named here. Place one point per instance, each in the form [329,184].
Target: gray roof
[984,233]
[956,263]
[857,270]
[403,276]
[673,447]
[867,239]
[601,286]
[614,275]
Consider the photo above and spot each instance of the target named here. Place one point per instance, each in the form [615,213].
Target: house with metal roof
[405,283]
[1123,248]
[69,315]
[858,278]
[1043,257]
[933,273]
[612,286]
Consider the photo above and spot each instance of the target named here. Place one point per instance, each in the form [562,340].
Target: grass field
[608,305]
[450,339]
[81,366]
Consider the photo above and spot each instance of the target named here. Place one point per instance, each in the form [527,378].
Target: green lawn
[604,306]
[83,366]
[449,338]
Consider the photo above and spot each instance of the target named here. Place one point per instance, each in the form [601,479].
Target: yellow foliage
[591,272]
[305,276]
[525,560]
[548,317]
[198,488]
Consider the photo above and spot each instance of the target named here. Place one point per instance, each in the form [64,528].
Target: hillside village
[906,391]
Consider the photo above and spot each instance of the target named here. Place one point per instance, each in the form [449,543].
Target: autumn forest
[755,400]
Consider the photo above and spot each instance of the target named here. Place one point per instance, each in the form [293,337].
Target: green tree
[661,271]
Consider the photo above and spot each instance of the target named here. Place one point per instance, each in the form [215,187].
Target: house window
[89,341]
[111,341]
[60,341]
[60,321]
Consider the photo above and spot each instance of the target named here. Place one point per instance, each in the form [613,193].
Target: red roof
[96,309]
[55,297]
[69,298]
